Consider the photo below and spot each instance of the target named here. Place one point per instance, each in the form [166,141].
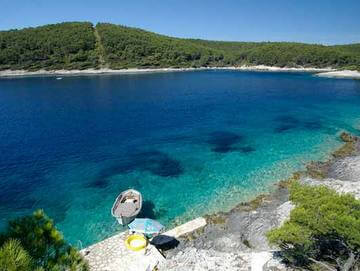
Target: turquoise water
[191,142]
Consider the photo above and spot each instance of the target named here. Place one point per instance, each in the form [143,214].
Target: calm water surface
[191,142]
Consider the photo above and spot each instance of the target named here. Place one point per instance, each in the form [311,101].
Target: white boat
[58,78]
[127,206]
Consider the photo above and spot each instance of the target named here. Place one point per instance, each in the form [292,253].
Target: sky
[310,21]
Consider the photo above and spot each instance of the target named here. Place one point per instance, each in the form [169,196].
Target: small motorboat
[127,206]
[58,78]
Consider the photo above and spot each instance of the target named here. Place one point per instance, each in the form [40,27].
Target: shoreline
[340,74]
[241,232]
[237,239]
[24,73]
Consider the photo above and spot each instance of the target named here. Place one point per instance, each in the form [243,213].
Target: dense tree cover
[58,46]
[351,48]
[81,45]
[33,243]
[323,230]
[287,54]
[131,47]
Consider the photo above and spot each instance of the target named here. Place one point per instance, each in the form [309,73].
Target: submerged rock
[346,137]
[224,141]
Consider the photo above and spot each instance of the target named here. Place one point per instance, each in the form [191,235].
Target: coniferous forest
[81,45]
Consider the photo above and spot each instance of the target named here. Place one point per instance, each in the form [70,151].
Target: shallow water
[191,142]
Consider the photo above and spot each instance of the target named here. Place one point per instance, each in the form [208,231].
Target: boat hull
[121,199]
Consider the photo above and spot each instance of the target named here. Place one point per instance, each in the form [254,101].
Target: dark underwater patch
[159,163]
[284,128]
[287,119]
[312,125]
[247,149]
[155,162]
[102,179]
[223,141]
[223,149]
[286,123]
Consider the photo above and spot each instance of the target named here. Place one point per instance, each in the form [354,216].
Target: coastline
[241,232]
[24,73]
[236,240]
[341,74]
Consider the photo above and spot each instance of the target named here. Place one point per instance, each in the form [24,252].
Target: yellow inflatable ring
[136,242]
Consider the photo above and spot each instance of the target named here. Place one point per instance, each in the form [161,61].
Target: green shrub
[13,257]
[38,238]
[55,46]
[323,229]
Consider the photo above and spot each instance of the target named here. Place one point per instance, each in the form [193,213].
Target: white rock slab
[186,228]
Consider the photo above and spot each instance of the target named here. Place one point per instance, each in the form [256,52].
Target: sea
[193,143]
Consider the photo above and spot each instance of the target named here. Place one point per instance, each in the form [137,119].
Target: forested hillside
[288,54]
[82,45]
[58,46]
[132,47]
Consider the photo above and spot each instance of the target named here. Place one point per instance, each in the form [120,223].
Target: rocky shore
[236,240]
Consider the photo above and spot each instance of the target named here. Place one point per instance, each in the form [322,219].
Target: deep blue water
[191,142]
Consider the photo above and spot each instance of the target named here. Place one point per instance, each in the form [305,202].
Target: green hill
[81,45]
[58,46]
[288,54]
[132,47]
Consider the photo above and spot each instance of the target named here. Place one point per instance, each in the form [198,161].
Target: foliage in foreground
[13,257]
[323,230]
[33,243]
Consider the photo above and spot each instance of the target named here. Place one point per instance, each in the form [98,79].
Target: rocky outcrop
[192,259]
[237,241]
[344,176]
[283,212]
[346,170]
